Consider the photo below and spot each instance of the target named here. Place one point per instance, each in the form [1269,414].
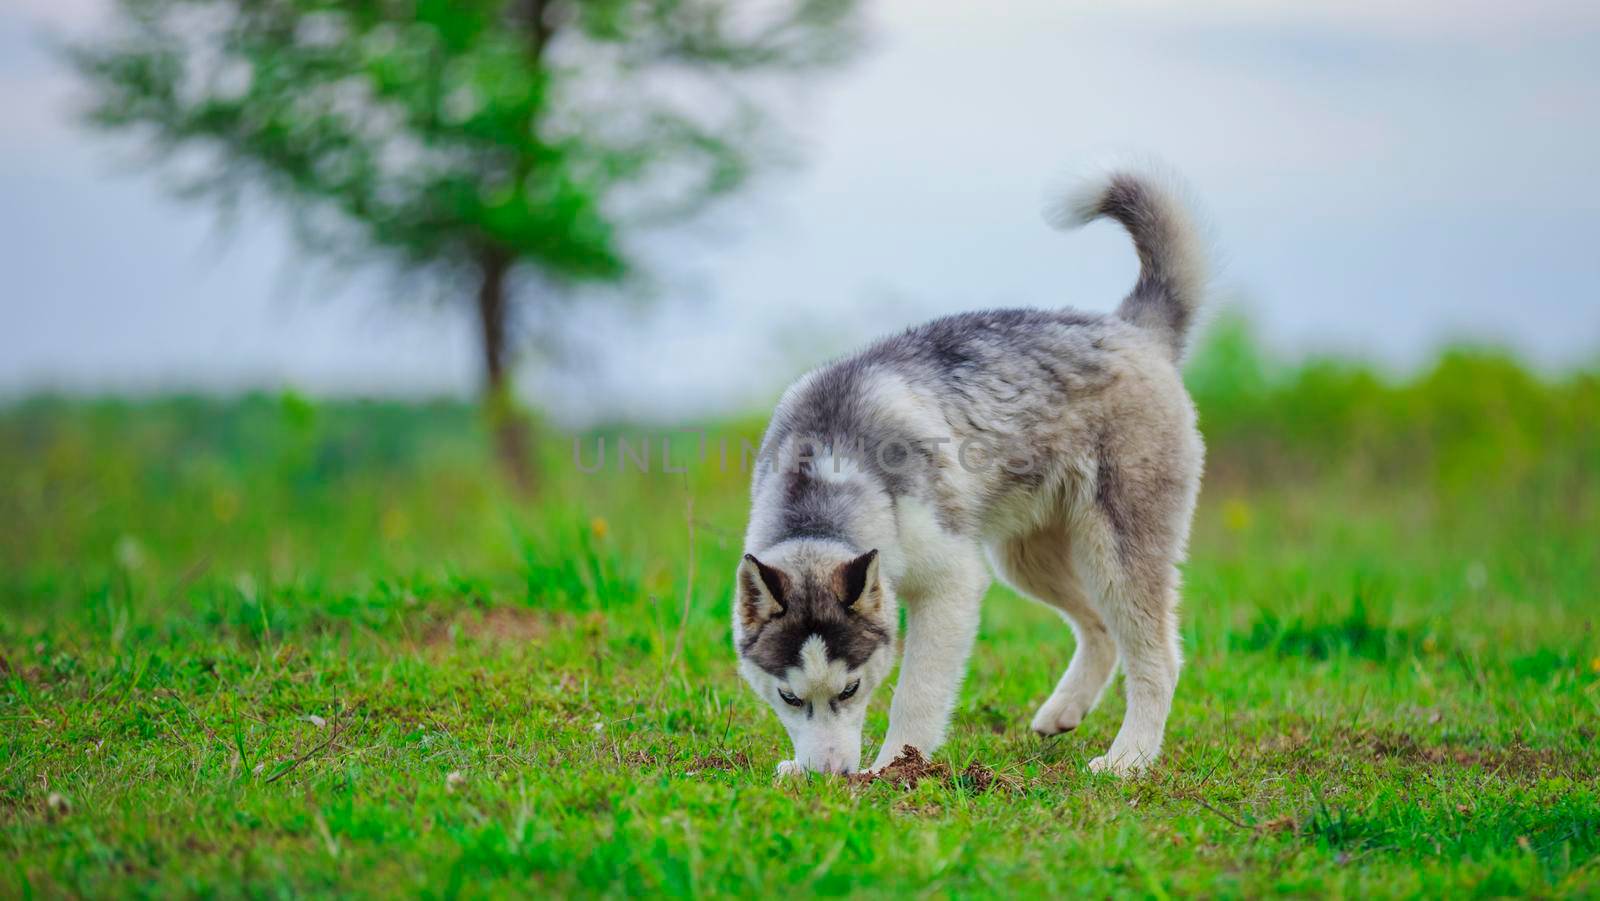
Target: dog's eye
[849,690]
[790,699]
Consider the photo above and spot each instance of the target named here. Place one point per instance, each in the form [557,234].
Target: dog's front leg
[940,628]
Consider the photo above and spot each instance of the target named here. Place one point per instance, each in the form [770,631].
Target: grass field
[271,646]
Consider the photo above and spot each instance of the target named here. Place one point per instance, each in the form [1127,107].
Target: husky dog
[1061,445]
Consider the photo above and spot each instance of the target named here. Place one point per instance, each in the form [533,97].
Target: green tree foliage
[511,145]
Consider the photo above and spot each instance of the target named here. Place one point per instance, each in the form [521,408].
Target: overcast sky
[1379,178]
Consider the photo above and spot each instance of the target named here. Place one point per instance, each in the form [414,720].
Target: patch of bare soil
[1515,758]
[699,763]
[911,768]
[497,625]
[717,760]
[641,759]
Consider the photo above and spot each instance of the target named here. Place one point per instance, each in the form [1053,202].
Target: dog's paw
[1059,715]
[1053,719]
[1121,764]
[790,770]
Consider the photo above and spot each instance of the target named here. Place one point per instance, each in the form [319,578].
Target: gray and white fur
[1059,445]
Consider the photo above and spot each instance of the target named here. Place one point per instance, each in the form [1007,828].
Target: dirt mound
[911,768]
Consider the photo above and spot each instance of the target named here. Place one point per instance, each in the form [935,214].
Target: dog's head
[815,625]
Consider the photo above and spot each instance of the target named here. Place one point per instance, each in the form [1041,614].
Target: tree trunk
[512,433]
[512,430]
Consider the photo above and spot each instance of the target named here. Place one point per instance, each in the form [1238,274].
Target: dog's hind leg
[1138,599]
[1040,565]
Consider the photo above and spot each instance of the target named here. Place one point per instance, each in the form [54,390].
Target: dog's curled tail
[1172,259]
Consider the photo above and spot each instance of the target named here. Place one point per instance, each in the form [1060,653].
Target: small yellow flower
[1429,645]
[393,524]
[1236,515]
[225,504]
[599,528]
[1594,665]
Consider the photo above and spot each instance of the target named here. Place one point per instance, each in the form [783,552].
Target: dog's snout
[832,764]
[839,765]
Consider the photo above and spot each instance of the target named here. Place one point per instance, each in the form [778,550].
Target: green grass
[269,646]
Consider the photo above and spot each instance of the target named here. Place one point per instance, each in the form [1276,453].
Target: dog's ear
[761,591]
[857,584]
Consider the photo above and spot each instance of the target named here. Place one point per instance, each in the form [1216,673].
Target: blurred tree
[509,145]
